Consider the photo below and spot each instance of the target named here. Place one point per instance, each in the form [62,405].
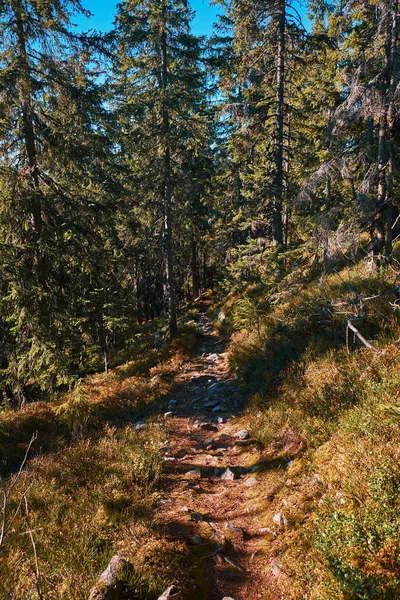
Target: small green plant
[76,410]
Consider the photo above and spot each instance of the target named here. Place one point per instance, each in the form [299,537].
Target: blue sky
[103,12]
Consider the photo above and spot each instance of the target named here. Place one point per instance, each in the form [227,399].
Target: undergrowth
[92,479]
[331,406]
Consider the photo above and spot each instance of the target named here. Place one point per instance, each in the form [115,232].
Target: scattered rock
[281,520]
[198,391]
[234,529]
[140,425]
[196,517]
[208,427]
[172,592]
[196,540]
[194,473]
[233,563]
[214,386]
[276,567]
[243,443]
[220,420]
[250,481]
[172,404]
[228,474]
[211,403]
[242,435]
[221,318]
[255,468]
[218,408]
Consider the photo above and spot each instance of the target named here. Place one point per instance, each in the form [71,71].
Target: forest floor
[212,464]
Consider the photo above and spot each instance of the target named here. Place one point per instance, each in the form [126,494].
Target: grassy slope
[92,480]
[316,409]
[324,408]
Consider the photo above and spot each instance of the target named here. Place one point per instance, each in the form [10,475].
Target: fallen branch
[172,592]
[6,492]
[358,334]
[37,569]
[109,584]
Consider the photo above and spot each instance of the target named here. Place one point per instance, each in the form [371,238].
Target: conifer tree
[265,37]
[365,122]
[160,96]
[54,179]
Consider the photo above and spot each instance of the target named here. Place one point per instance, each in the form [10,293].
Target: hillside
[199,300]
[266,464]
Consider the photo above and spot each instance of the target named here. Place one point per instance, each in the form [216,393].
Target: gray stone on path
[196,540]
[281,520]
[211,403]
[194,473]
[218,408]
[208,427]
[228,475]
[250,481]
[243,434]
[234,529]
[140,425]
[196,517]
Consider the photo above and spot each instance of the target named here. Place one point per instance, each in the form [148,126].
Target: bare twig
[6,491]
[37,570]
[358,334]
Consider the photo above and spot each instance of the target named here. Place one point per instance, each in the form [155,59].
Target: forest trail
[211,474]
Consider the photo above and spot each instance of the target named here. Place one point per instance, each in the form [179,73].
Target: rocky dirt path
[212,466]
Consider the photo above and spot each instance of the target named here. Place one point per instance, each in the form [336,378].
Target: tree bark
[195,270]
[28,130]
[169,251]
[382,223]
[277,233]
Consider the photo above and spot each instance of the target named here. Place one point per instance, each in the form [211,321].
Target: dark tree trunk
[28,131]
[382,223]
[277,233]
[169,251]
[195,270]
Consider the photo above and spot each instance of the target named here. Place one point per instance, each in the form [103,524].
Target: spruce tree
[265,37]
[160,84]
[55,184]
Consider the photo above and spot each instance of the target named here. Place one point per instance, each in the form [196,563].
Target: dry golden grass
[91,483]
[325,407]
